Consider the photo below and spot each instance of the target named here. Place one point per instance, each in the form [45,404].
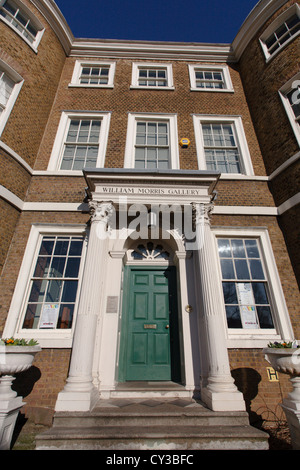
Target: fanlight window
[150,252]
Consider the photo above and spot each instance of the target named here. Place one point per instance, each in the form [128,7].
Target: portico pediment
[151,187]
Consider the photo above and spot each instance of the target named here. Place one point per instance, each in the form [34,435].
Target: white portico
[150,307]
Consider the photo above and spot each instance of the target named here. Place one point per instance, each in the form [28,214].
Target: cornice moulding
[142,49]
[262,11]
[85,47]
[57,21]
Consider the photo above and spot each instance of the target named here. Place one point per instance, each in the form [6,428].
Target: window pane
[265,317]
[72,268]
[256,269]
[224,248]
[227,269]
[76,247]
[242,271]
[53,291]
[57,266]
[65,317]
[42,266]
[260,293]
[252,248]
[38,291]
[46,247]
[61,247]
[233,317]
[229,292]
[69,292]
[238,248]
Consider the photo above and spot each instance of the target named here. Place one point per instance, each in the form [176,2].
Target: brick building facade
[91,130]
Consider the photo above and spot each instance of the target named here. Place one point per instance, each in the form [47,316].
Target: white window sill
[215,90]
[87,85]
[49,339]
[57,173]
[163,88]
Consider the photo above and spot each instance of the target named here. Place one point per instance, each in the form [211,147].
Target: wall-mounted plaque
[112,304]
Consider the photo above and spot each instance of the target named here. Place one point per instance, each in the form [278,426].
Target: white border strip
[83,207]
[11,198]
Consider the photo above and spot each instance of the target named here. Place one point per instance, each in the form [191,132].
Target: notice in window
[248,316]
[49,316]
[245,295]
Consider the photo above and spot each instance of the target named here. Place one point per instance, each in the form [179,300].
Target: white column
[218,390]
[79,393]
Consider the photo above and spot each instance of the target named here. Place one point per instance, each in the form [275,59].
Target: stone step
[153,438]
[151,424]
[150,412]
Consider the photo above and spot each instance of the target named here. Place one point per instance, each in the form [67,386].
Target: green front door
[149,324]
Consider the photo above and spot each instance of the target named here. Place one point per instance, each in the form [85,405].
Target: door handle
[167,327]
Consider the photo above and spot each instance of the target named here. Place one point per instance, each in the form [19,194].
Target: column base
[293,419]
[223,401]
[9,410]
[69,400]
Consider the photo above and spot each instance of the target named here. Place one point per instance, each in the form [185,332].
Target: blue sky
[210,21]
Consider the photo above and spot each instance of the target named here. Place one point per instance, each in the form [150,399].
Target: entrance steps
[148,423]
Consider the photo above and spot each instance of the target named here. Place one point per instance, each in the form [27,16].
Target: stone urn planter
[287,361]
[13,359]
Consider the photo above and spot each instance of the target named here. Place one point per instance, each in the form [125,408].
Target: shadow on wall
[25,381]
[247,381]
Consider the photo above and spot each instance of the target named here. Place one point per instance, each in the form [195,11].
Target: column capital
[202,213]
[101,211]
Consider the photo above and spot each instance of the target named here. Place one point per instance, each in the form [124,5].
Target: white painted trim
[285,206]
[55,18]
[55,207]
[258,16]
[245,210]
[242,338]
[131,133]
[151,65]
[151,50]
[57,173]
[66,116]
[294,9]
[83,207]
[79,64]
[284,166]
[17,157]
[11,198]
[242,144]
[46,338]
[222,68]
[18,83]
[286,88]
[28,13]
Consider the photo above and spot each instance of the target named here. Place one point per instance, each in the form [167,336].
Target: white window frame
[294,82]
[257,338]
[38,25]
[294,9]
[245,158]
[133,118]
[79,65]
[193,68]
[136,66]
[18,80]
[59,338]
[58,147]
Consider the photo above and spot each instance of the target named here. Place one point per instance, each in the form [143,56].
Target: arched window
[149,251]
